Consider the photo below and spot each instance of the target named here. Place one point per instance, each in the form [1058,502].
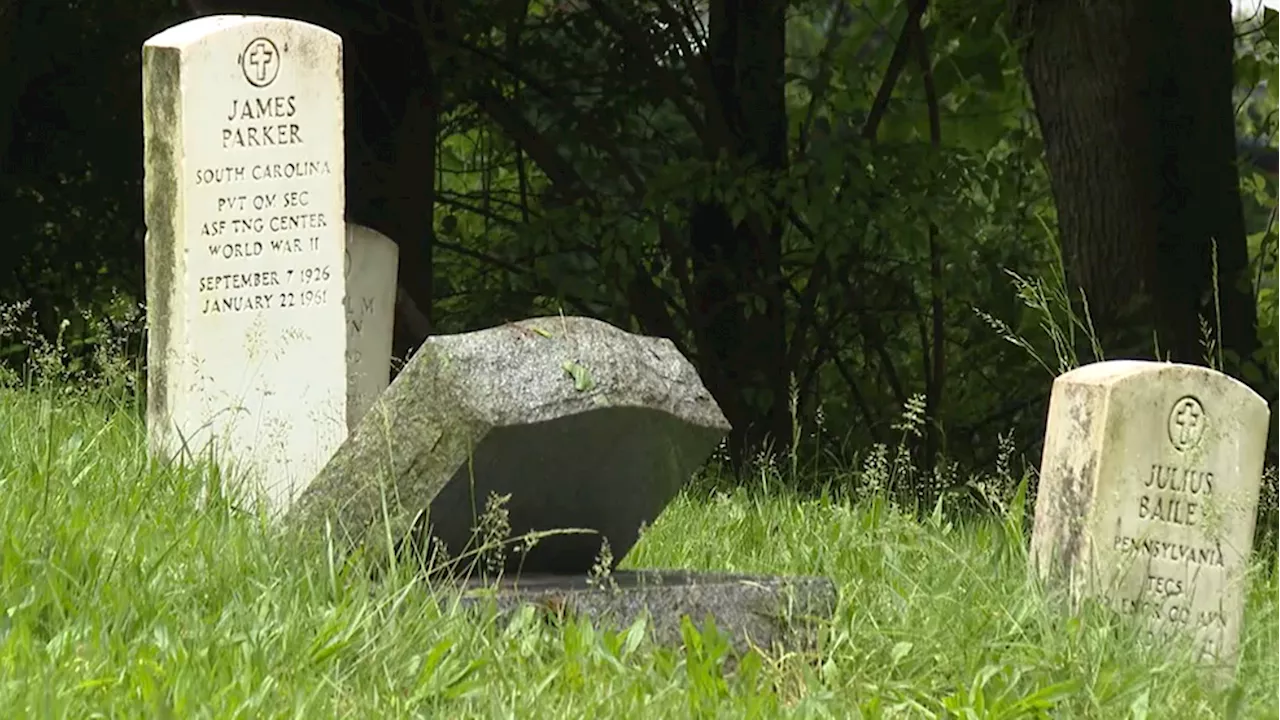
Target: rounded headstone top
[194,31]
[1117,372]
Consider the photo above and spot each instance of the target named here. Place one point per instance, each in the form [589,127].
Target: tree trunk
[738,304]
[1134,103]
[411,202]
[394,100]
[12,81]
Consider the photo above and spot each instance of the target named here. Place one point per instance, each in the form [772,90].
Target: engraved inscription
[1177,566]
[250,126]
[1175,552]
[261,219]
[1174,495]
[360,309]
[271,171]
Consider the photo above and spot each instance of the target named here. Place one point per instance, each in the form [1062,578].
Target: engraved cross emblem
[1186,423]
[260,58]
[260,62]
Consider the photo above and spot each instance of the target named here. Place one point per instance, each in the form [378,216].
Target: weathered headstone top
[243,125]
[582,424]
[1148,494]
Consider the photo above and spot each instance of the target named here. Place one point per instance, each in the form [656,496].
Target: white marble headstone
[1149,492]
[243,125]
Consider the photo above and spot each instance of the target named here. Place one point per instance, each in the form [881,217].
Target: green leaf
[581,376]
[1141,705]
[1248,70]
[1046,697]
[899,651]
[634,635]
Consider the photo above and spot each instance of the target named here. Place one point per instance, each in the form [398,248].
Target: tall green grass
[122,596]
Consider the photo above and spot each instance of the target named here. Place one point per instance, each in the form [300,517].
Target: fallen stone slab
[581,424]
[753,610]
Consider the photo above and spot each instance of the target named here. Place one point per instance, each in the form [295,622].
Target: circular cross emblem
[260,62]
[1186,423]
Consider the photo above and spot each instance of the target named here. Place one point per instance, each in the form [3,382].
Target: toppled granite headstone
[760,611]
[582,424]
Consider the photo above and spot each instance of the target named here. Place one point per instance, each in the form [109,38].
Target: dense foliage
[882,242]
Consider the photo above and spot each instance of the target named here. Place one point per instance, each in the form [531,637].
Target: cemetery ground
[123,596]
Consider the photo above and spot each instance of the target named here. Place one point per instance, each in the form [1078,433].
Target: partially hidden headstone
[371,265]
[243,125]
[1148,493]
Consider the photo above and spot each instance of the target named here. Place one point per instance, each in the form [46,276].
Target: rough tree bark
[737,266]
[1134,103]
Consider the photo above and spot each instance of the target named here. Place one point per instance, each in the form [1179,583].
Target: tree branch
[821,81]
[897,61]
[628,31]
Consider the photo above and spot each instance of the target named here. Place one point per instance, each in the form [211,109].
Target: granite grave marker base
[754,611]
